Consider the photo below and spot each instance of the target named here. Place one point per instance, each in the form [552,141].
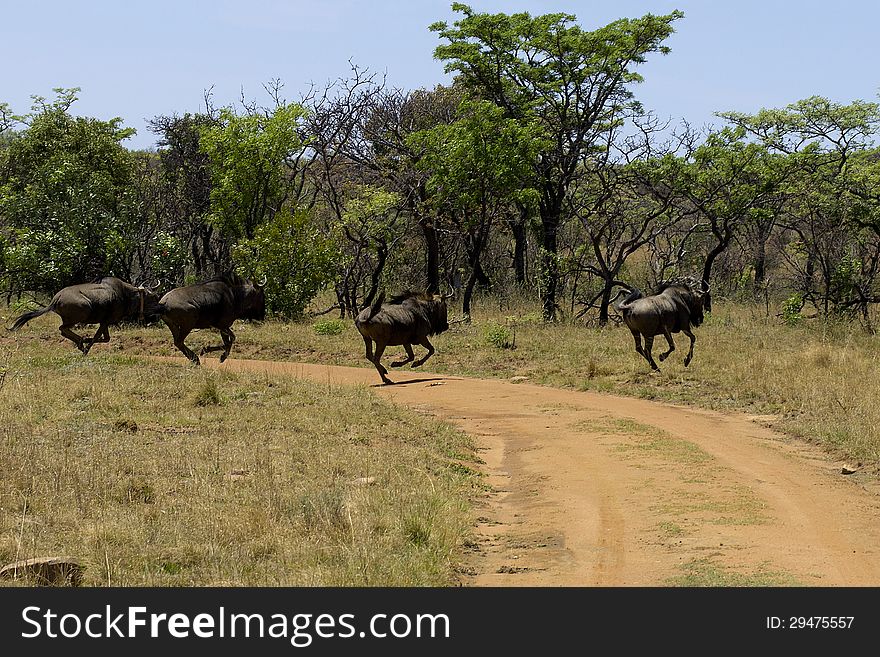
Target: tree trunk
[519,253]
[760,265]
[549,267]
[606,301]
[707,270]
[382,258]
[468,295]
[432,246]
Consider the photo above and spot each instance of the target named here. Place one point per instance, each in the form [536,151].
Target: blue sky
[137,60]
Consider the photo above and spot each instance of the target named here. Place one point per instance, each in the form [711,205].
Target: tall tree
[479,167]
[250,156]
[573,83]
[61,192]
[186,192]
[728,184]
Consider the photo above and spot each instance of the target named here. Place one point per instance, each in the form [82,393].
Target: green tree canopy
[61,195]
[574,84]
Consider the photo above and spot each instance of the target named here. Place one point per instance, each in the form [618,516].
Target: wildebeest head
[252,300]
[144,301]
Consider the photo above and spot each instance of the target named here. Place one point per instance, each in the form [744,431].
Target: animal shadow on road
[411,381]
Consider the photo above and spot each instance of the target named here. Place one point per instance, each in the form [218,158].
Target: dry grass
[164,475]
[820,380]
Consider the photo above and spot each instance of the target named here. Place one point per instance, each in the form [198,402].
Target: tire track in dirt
[590,489]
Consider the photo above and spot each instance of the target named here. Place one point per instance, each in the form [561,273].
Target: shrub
[791,309]
[499,336]
[329,326]
[295,257]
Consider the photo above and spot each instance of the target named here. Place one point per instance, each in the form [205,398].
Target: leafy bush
[329,326]
[791,309]
[498,335]
[296,259]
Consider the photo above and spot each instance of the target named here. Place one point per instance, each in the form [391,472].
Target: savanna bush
[329,326]
[498,335]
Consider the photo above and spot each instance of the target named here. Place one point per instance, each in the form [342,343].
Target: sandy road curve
[596,490]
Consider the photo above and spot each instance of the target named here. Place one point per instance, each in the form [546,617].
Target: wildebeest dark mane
[231,278]
[398,299]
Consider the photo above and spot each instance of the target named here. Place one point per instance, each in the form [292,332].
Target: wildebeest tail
[24,319]
[635,293]
[376,305]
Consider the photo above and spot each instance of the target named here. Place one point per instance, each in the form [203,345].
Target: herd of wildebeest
[406,319]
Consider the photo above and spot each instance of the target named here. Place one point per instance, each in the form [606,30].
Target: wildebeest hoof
[223,357]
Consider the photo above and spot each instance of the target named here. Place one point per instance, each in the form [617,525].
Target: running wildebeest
[216,303]
[105,301]
[677,306]
[407,319]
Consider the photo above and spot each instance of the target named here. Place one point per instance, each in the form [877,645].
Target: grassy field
[819,380]
[164,475]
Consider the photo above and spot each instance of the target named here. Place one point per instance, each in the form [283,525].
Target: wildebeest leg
[409,356]
[377,361]
[101,335]
[687,359]
[638,340]
[73,337]
[369,343]
[649,344]
[665,354]
[179,336]
[427,345]
[228,338]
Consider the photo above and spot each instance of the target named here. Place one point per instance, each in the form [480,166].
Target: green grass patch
[706,573]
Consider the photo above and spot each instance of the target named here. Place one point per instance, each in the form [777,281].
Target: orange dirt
[597,490]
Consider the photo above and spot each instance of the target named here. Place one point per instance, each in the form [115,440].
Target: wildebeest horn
[263,282]
[156,286]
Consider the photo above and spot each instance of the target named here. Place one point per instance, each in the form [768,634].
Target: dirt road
[597,490]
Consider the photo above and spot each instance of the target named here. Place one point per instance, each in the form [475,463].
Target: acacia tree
[479,166]
[387,151]
[572,83]
[727,183]
[367,232]
[828,202]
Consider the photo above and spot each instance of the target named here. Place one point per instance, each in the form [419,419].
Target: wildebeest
[407,319]
[677,306]
[105,301]
[215,303]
